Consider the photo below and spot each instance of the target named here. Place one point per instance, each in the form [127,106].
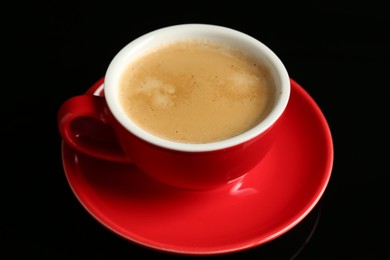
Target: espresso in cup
[193,91]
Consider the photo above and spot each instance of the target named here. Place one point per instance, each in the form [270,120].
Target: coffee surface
[196,92]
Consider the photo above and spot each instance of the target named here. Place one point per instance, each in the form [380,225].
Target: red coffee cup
[99,127]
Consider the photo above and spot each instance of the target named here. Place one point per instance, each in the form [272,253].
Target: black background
[339,52]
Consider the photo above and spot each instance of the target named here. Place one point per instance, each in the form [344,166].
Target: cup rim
[116,66]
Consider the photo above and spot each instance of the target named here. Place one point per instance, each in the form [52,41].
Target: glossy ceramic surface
[271,199]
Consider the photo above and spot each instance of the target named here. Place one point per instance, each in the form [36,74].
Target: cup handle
[85,124]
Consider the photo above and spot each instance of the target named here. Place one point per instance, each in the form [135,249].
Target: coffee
[196,92]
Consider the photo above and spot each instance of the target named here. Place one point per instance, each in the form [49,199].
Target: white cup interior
[213,33]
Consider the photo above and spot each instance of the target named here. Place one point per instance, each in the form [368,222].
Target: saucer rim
[327,171]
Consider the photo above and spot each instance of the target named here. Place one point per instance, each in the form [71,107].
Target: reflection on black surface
[289,245]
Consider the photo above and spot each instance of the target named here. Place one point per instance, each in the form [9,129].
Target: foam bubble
[161,100]
[151,85]
[243,82]
[161,94]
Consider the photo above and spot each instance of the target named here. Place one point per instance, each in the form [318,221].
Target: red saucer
[269,201]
